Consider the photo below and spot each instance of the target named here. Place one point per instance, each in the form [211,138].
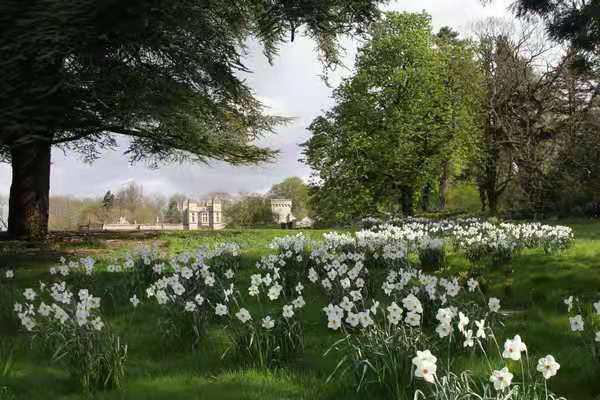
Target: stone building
[282,211]
[203,215]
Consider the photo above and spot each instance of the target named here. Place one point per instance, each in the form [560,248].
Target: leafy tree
[463,98]
[173,214]
[392,123]
[250,210]
[167,75]
[295,189]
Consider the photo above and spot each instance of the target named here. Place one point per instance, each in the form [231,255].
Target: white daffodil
[548,366]
[352,319]
[288,311]
[134,301]
[577,324]
[472,284]
[243,315]
[412,303]
[298,302]
[190,306]
[443,330]
[253,290]
[444,315]
[97,324]
[569,302]
[394,313]
[480,329]
[374,307]
[463,321]
[220,309]
[494,304]
[425,365]
[423,356]
[413,318]
[426,370]
[597,307]
[334,323]
[501,379]
[513,348]
[9,274]
[29,294]
[346,304]
[267,322]
[468,338]
[274,292]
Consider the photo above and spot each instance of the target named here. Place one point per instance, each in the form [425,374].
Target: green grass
[533,287]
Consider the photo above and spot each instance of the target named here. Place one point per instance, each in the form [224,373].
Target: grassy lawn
[532,289]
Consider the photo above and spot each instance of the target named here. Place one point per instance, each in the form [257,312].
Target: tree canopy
[394,121]
[169,75]
[295,189]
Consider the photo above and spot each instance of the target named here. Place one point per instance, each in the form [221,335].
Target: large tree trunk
[443,185]
[482,197]
[407,194]
[29,191]
[425,197]
[492,199]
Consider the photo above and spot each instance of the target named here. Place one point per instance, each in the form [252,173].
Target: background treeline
[136,206]
[130,202]
[254,209]
[505,121]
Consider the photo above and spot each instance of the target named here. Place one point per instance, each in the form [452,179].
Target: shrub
[432,255]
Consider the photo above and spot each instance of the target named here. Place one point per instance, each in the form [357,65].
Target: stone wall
[133,227]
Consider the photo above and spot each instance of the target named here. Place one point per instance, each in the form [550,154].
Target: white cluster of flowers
[425,364]
[84,265]
[471,235]
[416,281]
[192,286]
[58,303]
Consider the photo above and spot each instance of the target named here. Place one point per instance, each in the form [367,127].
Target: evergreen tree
[173,214]
[108,201]
[166,74]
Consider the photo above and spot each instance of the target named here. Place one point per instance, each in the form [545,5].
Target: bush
[432,255]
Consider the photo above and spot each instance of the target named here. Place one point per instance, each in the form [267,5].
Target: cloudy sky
[292,87]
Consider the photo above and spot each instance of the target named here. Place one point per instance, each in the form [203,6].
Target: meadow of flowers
[399,321]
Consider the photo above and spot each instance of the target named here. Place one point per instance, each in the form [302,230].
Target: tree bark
[492,200]
[407,194]
[443,184]
[425,197]
[29,191]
